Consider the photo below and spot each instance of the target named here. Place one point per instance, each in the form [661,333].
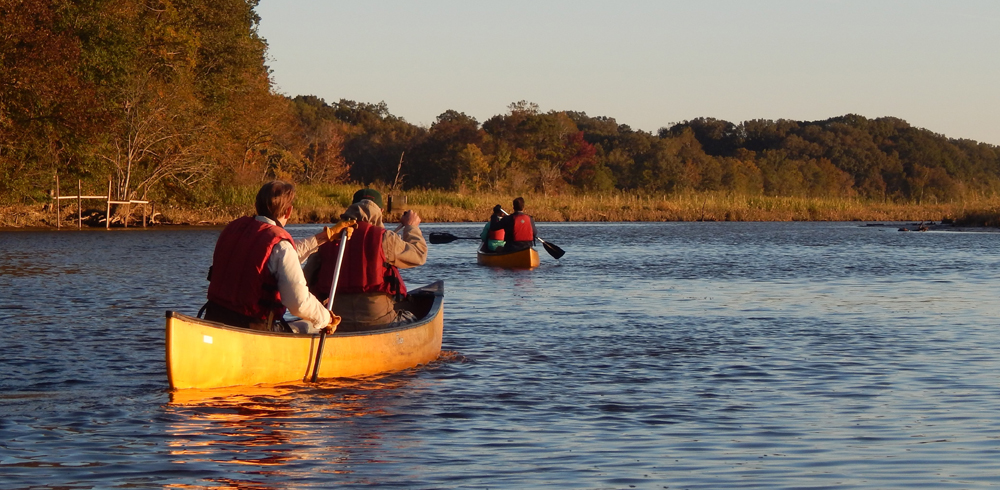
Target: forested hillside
[172,99]
[167,97]
[569,151]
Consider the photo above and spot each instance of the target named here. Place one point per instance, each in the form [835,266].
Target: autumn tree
[318,138]
[375,140]
[449,157]
[165,94]
[46,101]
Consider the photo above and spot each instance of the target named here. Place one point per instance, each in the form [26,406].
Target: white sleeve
[295,295]
[305,247]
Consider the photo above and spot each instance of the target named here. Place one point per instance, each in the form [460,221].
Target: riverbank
[323,203]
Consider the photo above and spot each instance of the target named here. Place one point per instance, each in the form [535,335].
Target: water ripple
[677,355]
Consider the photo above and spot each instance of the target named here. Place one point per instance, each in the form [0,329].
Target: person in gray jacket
[369,287]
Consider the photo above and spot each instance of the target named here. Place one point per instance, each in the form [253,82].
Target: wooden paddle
[329,306]
[553,250]
[441,237]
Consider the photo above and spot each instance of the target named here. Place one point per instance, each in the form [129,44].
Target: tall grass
[235,196]
[434,205]
[619,206]
[324,203]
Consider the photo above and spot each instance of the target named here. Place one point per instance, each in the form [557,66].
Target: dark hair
[497,209]
[274,199]
[519,204]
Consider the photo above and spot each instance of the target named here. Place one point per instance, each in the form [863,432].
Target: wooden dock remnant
[107,216]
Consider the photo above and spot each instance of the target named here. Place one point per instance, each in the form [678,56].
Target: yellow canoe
[203,354]
[522,259]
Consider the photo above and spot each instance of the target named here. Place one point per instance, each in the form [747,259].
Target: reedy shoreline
[323,203]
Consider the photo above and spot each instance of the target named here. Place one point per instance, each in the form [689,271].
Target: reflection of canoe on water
[522,259]
[204,354]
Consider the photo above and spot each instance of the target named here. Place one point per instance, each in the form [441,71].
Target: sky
[649,64]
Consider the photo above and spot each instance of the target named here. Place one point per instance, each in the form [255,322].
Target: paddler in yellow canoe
[369,288]
[256,271]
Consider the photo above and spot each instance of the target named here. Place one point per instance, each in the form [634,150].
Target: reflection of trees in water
[288,432]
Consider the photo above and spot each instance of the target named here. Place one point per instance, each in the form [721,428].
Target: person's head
[519,204]
[370,194]
[365,211]
[498,210]
[274,199]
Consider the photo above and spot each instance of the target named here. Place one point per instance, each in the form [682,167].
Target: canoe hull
[203,354]
[522,259]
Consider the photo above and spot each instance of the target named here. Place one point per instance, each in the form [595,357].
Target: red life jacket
[239,279]
[364,268]
[495,235]
[522,228]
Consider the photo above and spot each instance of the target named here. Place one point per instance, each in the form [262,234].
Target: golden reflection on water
[226,483]
[32,264]
[263,430]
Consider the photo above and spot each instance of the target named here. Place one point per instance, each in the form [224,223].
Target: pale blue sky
[649,64]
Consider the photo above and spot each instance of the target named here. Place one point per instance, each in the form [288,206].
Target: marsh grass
[697,207]
[324,203]
[986,217]
[235,196]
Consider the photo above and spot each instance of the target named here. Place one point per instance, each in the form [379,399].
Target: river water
[653,355]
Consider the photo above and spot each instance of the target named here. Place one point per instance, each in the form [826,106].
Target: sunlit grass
[324,203]
[233,195]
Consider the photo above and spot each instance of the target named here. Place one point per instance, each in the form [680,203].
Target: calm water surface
[655,355]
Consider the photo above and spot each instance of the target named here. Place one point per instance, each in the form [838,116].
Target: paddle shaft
[329,306]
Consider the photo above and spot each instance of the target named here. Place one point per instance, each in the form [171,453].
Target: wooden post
[57,201]
[144,206]
[79,204]
[107,216]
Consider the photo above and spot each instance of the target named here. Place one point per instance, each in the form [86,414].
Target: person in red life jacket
[369,288]
[518,228]
[493,239]
[256,272]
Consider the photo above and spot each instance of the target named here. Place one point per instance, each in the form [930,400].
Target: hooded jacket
[404,250]
[364,268]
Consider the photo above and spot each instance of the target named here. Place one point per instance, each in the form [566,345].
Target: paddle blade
[553,250]
[437,237]
[319,355]
[441,237]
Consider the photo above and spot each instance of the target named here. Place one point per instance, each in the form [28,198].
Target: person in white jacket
[256,269]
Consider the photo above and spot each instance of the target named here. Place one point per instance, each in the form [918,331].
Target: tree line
[173,99]
[566,151]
